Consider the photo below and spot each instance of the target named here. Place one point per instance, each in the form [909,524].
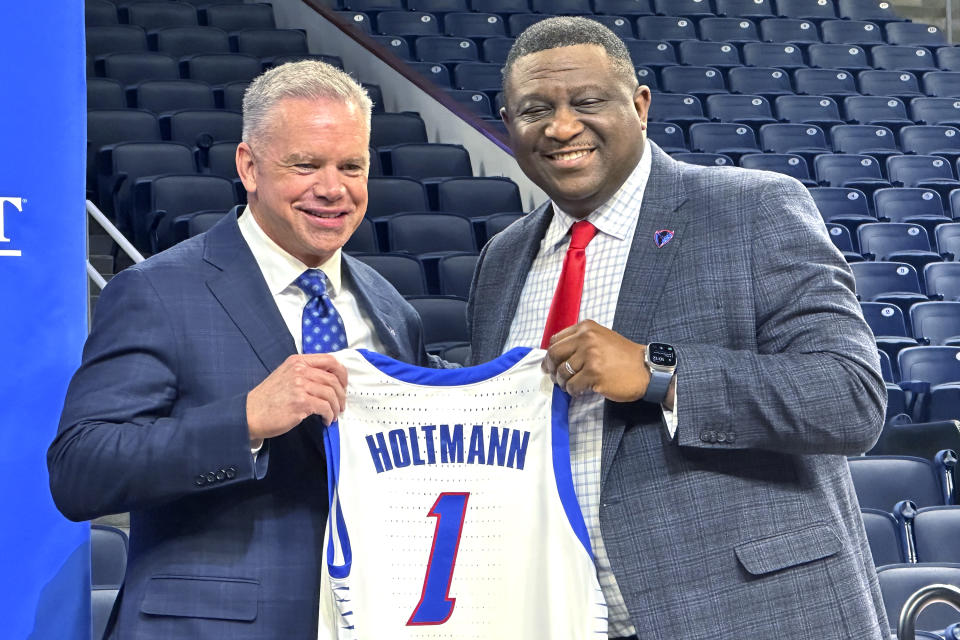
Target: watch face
[661,355]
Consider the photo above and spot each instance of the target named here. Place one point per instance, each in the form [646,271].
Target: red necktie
[565,308]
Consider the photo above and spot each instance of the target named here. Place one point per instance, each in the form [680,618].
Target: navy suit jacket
[154,423]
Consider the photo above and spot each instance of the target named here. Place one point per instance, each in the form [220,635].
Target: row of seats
[181,41]
[232,16]
[812,9]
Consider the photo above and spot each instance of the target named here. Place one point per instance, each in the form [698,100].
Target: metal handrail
[921,599]
[117,237]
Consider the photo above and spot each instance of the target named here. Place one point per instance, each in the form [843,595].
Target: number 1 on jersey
[436,605]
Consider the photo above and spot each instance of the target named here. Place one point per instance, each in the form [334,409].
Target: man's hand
[602,361]
[302,386]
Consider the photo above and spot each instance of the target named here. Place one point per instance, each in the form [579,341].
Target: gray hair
[567,31]
[310,79]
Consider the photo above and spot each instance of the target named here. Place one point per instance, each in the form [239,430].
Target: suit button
[705,436]
[731,437]
[200,481]
[221,475]
[231,473]
[210,476]
[721,436]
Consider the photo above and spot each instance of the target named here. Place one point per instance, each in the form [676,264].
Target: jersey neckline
[413,374]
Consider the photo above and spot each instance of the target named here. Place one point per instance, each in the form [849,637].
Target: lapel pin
[662,237]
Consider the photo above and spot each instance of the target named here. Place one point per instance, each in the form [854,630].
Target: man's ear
[641,101]
[505,116]
[245,167]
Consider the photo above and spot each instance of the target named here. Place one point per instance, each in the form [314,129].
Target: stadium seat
[915,34]
[230,95]
[785,163]
[105,93]
[185,41]
[899,581]
[936,323]
[647,77]
[477,102]
[752,110]
[132,68]
[932,140]
[680,108]
[270,43]
[407,23]
[819,110]
[363,239]
[883,535]
[108,556]
[897,242]
[459,353]
[768,82]
[754,9]
[517,23]
[903,58]
[655,54]
[495,50]
[455,272]
[938,111]
[201,127]
[444,321]
[220,160]
[849,170]
[943,404]
[490,226]
[729,139]
[480,76]
[356,20]
[906,204]
[893,282]
[160,15]
[668,136]
[235,17]
[404,272]
[438,6]
[474,25]
[699,81]
[792,30]
[99,13]
[825,82]
[865,139]
[948,58]
[406,233]
[928,172]
[389,195]
[883,481]
[475,196]
[161,96]
[851,32]
[807,140]
[934,532]
[689,8]
[942,84]
[158,201]
[732,30]
[706,159]
[943,278]
[921,439]
[948,243]
[220,68]
[879,12]
[110,126]
[876,110]
[620,25]
[842,205]
[848,57]
[388,129]
[116,38]
[773,54]
[373,6]
[430,161]
[807,9]
[396,45]
[622,7]
[446,49]
[889,329]
[434,72]
[101,604]
[562,7]
[667,28]
[932,365]
[899,84]
[720,55]
[839,236]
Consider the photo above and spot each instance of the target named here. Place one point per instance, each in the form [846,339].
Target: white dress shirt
[606,257]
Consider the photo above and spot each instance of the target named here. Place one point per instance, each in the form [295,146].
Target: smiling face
[575,124]
[306,175]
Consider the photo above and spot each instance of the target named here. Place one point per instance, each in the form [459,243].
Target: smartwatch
[661,361]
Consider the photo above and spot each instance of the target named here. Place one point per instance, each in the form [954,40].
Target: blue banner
[45,582]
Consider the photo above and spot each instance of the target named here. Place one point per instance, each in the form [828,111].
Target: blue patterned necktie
[322,326]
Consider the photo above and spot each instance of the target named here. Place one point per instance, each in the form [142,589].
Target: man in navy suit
[195,408]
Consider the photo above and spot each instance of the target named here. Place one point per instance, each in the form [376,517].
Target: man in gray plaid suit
[712,479]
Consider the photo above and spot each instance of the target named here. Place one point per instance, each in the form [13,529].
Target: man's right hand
[304,385]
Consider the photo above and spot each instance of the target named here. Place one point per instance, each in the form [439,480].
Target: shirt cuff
[670,417]
[255,451]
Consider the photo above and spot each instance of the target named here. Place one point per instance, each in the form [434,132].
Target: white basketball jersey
[452,508]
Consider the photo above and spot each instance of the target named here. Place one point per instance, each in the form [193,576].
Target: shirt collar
[279,268]
[615,217]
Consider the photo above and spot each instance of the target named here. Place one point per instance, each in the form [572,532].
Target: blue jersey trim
[561,467]
[331,439]
[444,377]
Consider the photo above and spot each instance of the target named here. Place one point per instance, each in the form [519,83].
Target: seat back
[900,581]
[455,272]
[914,169]
[789,30]
[884,319]
[444,320]
[789,138]
[824,82]
[838,56]
[803,109]
[936,365]
[404,272]
[860,138]
[899,203]
[108,556]
[883,481]
[935,534]
[875,278]
[716,137]
[389,195]
[430,160]
[429,232]
[943,278]
[874,109]
[474,196]
[773,54]
[851,32]
[806,9]
[883,535]
[884,238]
[902,57]
[935,322]
[880,82]
[388,129]
[930,139]
[235,17]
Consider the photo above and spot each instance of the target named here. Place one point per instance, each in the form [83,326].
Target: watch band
[658,385]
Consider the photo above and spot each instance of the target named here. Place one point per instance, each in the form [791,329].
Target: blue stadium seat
[496,49]
[396,45]
[184,41]
[489,226]
[680,108]
[936,323]
[755,9]
[116,38]
[885,320]
[850,170]
[825,82]
[876,110]
[883,481]
[374,6]
[158,201]
[851,32]
[474,25]
[933,365]
[480,76]
[745,109]
[407,23]
[914,205]
[404,272]
[932,140]
[941,111]
[101,604]
[108,556]
[455,273]
[899,581]
[900,84]
[729,139]
[447,49]
[773,54]
[444,321]
[928,172]
[948,242]
[652,53]
[935,533]
[270,43]
[501,6]
[793,30]
[99,13]
[819,110]
[647,77]
[942,84]
[665,28]
[407,232]
[623,7]
[897,242]
[807,9]
[159,15]
[230,96]
[688,8]
[110,126]
[388,129]
[944,404]
[886,371]
[699,81]
[620,25]
[562,7]
[768,82]
[734,30]
[943,278]
[357,20]
[948,58]
[220,68]
[883,535]
[867,139]
[841,239]
[476,102]
[667,135]
[893,282]
[842,205]
[720,55]
[220,160]
[807,140]
[161,96]
[517,23]
[105,93]
[903,58]
[478,196]
[389,195]
[235,17]
[438,6]
[201,127]
[785,163]
[435,72]
[879,12]
[849,57]
[706,159]
[132,68]
[430,161]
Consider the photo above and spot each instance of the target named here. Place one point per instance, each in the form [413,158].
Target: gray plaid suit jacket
[745,525]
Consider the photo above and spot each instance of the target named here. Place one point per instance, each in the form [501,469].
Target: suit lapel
[241,290]
[647,268]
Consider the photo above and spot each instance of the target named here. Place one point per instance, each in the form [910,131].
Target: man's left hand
[602,361]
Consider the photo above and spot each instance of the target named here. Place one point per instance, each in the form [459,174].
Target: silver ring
[566,365]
